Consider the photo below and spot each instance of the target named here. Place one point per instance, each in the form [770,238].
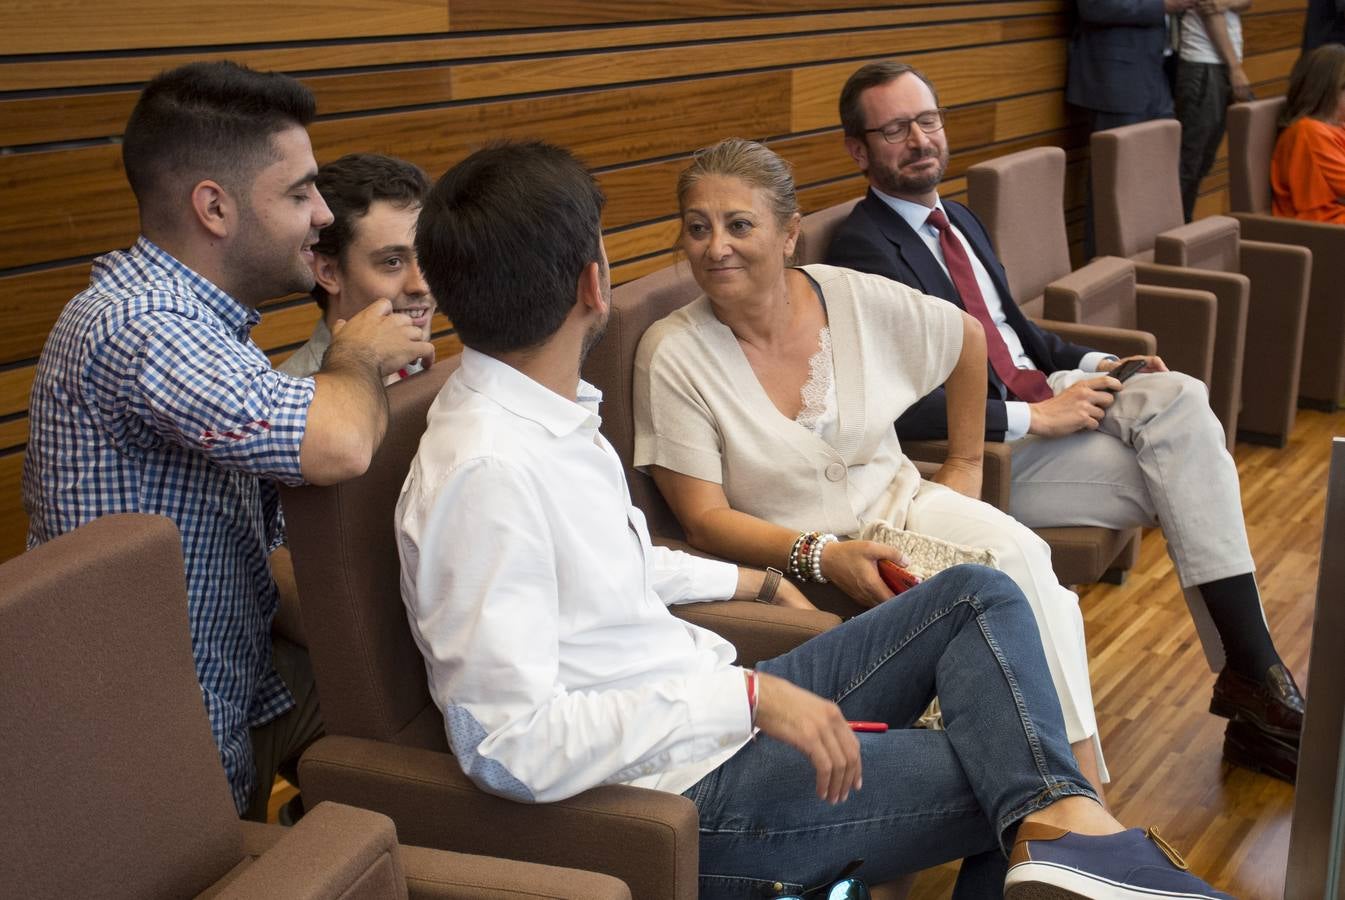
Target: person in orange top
[1307,173]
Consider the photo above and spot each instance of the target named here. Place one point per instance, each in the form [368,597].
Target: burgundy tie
[1023,384]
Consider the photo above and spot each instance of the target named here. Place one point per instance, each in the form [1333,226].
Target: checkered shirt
[151,397]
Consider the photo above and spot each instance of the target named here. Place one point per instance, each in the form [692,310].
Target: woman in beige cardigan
[764,413]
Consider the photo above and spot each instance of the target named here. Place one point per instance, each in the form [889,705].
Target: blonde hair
[750,162]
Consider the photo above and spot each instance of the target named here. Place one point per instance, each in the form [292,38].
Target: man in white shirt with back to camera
[541,609]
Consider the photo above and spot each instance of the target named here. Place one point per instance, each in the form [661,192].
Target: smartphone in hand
[895,577]
[1127,368]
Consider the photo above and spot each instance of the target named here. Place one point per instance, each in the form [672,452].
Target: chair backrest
[1136,188]
[112,784]
[370,675]
[818,230]
[1021,200]
[1252,130]
[610,367]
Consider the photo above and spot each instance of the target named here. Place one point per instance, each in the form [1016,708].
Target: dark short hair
[868,76]
[503,238]
[1315,85]
[350,185]
[207,120]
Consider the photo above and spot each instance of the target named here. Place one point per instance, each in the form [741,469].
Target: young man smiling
[151,397]
[368,251]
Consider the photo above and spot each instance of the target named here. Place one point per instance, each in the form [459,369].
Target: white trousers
[943,513]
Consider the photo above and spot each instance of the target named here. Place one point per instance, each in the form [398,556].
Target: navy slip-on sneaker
[1052,864]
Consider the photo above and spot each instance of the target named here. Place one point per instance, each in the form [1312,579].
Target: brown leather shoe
[1248,746]
[1274,705]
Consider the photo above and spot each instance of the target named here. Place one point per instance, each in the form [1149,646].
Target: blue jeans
[967,636]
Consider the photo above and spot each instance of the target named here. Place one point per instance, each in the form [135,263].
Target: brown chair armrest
[1208,243]
[1100,293]
[1276,319]
[758,630]
[1322,377]
[1231,290]
[648,839]
[996,467]
[1186,321]
[335,851]
[445,875]
[258,838]
[1317,236]
[1116,341]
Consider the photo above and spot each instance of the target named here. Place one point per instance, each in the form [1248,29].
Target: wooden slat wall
[634,88]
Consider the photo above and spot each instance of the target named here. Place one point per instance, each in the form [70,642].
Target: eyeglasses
[898,130]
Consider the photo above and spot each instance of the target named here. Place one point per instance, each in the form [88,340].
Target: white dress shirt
[1017,413]
[540,605]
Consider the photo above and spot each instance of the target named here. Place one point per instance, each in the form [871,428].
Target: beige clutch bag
[927,556]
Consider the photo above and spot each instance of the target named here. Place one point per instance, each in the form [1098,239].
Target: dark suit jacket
[875,239]
[1324,24]
[1116,58]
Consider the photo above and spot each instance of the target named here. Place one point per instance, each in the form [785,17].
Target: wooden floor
[1151,685]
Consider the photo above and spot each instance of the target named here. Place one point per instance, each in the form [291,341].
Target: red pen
[877,727]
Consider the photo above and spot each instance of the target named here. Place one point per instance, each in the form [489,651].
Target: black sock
[1235,605]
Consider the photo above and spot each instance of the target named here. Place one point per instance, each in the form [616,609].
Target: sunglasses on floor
[841,887]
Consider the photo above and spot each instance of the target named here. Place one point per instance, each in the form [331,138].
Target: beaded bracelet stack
[805,558]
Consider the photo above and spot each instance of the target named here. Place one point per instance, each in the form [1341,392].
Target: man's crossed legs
[1158,458]
[969,637]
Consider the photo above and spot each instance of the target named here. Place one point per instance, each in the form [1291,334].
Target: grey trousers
[280,741]
[1158,458]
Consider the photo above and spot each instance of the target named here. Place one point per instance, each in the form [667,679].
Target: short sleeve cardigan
[700,410]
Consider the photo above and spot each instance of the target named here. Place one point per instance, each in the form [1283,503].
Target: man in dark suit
[1116,71]
[1324,24]
[1116,60]
[1086,449]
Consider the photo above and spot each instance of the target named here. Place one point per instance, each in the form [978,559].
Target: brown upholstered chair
[1261,315]
[1252,130]
[1081,555]
[386,747]
[112,783]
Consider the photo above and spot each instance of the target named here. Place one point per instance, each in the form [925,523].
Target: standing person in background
[368,252]
[1324,24]
[1116,68]
[1209,77]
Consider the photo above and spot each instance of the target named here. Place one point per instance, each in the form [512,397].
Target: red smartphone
[876,727]
[895,577]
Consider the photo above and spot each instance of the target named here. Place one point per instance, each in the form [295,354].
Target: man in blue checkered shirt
[151,397]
